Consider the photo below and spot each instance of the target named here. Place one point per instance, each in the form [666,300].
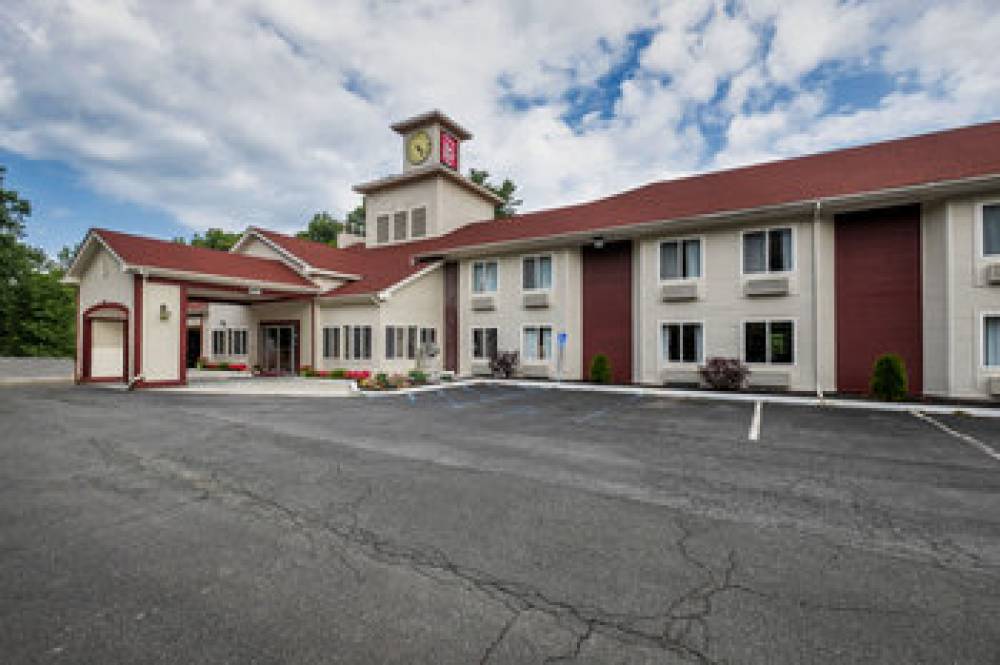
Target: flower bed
[224,367]
[365,379]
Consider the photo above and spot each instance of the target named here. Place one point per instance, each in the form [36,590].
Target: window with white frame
[680,259]
[537,344]
[401,342]
[382,229]
[399,225]
[769,342]
[357,342]
[484,343]
[418,222]
[991,229]
[484,277]
[682,342]
[991,341]
[767,251]
[238,342]
[331,342]
[428,335]
[536,272]
[218,342]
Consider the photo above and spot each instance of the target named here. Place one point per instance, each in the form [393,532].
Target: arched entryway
[105,343]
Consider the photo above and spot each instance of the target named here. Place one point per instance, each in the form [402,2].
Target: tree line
[38,311]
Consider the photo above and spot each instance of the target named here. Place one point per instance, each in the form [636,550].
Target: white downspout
[817,336]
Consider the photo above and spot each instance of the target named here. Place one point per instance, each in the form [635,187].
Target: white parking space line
[971,440]
[754,433]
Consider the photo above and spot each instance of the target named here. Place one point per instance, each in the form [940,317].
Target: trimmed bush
[382,379]
[504,364]
[889,380]
[338,373]
[724,373]
[418,377]
[600,369]
[223,365]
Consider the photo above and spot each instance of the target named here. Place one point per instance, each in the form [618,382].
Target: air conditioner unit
[993,273]
[679,291]
[536,300]
[993,383]
[680,377]
[770,379]
[534,370]
[483,303]
[766,286]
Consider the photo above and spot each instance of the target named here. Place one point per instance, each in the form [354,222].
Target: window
[401,342]
[537,272]
[418,222]
[238,342]
[991,341]
[770,342]
[411,342]
[357,342]
[680,259]
[484,343]
[218,342]
[484,277]
[991,229]
[331,342]
[399,226]
[382,229]
[767,251]
[428,335]
[537,343]
[682,342]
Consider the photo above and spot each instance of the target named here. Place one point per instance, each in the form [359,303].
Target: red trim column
[77,334]
[137,296]
[182,372]
[312,335]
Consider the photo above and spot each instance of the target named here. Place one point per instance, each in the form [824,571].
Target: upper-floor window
[771,342]
[991,229]
[382,229]
[767,251]
[680,259]
[484,277]
[537,272]
[418,222]
[399,225]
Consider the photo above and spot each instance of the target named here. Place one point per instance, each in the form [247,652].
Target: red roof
[140,251]
[316,254]
[942,156]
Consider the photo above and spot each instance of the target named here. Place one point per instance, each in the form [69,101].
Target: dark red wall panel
[451,316]
[607,307]
[878,294]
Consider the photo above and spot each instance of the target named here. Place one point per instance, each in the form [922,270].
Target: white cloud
[263,112]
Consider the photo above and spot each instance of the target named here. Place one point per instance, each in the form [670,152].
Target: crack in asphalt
[492,646]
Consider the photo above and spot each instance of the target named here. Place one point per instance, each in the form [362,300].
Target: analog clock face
[418,147]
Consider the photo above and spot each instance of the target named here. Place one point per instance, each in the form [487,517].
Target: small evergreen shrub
[382,379]
[338,373]
[724,373]
[223,365]
[600,369]
[504,364]
[889,380]
[418,377]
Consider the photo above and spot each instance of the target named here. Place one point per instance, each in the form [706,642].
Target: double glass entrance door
[278,350]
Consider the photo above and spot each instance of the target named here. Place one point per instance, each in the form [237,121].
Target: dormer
[430,197]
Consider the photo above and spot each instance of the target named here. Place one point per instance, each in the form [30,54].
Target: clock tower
[430,197]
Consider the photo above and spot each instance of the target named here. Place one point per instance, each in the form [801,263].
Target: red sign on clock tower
[449,150]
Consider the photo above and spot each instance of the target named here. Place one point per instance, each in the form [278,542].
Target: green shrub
[338,373]
[223,365]
[724,373]
[416,376]
[600,369]
[889,380]
[382,379]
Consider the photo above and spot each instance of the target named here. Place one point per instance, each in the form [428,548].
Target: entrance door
[278,350]
[193,346]
[107,351]
[607,307]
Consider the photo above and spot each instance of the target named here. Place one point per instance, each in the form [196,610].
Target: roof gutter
[218,279]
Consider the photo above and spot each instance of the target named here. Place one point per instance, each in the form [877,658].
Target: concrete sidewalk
[289,386]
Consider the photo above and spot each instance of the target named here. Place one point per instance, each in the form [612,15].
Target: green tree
[37,312]
[355,222]
[506,190]
[322,228]
[215,238]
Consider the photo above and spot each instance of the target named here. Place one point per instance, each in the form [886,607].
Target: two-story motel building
[807,269]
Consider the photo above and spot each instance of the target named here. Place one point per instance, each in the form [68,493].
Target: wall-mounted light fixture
[164,312]
[598,242]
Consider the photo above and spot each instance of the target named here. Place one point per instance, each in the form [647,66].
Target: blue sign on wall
[561,339]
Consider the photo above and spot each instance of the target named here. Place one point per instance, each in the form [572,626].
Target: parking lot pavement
[489,524]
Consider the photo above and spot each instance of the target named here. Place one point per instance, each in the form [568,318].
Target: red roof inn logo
[449,150]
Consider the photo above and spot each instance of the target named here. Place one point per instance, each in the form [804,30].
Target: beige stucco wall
[406,196]
[233,317]
[510,315]
[459,207]
[971,297]
[330,315]
[254,247]
[161,341]
[419,303]
[934,290]
[722,307]
[104,281]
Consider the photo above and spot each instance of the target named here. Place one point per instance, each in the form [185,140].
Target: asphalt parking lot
[490,525]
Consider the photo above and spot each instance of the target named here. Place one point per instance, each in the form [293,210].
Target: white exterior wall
[254,247]
[458,207]
[161,340]
[222,316]
[348,315]
[407,196]
[419,303]
[970,297]
[934,293]
[722,308]
[510,316]
[104,281]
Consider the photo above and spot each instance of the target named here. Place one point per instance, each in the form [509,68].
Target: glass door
[278,349]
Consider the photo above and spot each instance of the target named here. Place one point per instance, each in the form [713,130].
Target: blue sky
[168,118]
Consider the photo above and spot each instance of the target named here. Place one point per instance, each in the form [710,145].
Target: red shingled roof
[942,156]
[316,254]
[140,251]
